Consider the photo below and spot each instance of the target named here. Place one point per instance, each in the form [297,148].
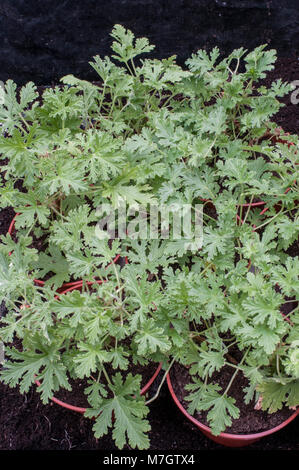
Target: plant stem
[274,217]
[57,212]
[161,383]
[249,207]
[106,376]
[235,373]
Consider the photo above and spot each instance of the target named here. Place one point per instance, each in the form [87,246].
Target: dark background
[42,40]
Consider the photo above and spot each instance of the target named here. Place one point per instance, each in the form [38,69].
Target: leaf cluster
[152,133]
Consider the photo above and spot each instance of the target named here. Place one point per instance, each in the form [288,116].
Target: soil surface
[27,424]
[76,396]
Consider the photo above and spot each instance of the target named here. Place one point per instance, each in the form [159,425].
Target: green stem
[57,212]
[161,383]
[235,373]
[24,122]
[274,217]
[106,376]
[249,207]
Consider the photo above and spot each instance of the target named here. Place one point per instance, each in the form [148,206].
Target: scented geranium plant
[150,133]
[234,303]
[95,332]
[235,307]
[80,145]
[65,153]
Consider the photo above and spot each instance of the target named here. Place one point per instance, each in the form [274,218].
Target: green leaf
[124,46]
[209,362]
[275,394]
[102,154]
[8,195]
[149,255]
[31,210]
[67,234]
[89,358]
[12,110]
[288,231]
[81,265]
[215,122]
[222,412]
[150,338]
[207,397]
[129,413]
[66,176]
[259,61]
[201,62]
[287,276]
[45,366]
[53,262]
[265,309]
[217,241]
[95,393]
[119,358]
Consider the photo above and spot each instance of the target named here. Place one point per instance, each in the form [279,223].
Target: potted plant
[145,384]
[79,146]
[67,152]
[151,134]
[239,350]
[231,308]
[93,332]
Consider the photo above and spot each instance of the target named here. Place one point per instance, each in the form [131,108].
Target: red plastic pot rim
[78,409]
[247,204]
[66,285]
[226,436]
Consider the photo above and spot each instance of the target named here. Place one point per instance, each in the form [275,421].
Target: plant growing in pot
[150,133]
[74,148]
[231,313]
[240,344]
[79,145]
[101,333]
[231,308]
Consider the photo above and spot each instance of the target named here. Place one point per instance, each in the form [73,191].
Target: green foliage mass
[152,133]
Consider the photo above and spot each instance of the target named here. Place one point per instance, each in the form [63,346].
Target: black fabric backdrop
[42,40]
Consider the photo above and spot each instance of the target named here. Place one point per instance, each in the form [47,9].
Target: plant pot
[226,439]
[81,410]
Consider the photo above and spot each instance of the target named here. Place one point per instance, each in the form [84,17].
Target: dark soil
[250,420]
[25,423]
